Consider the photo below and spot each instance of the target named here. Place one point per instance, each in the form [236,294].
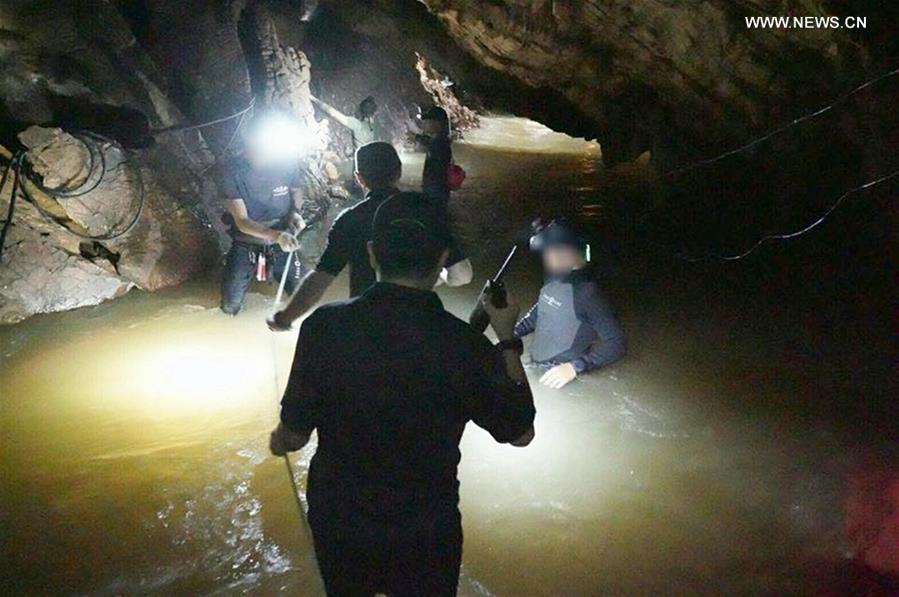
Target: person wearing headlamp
[574,326]
[263,198]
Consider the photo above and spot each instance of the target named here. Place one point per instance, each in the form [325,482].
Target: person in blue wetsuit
[574,326]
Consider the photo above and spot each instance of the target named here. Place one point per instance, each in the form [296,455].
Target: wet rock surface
[125,231]
[661,72]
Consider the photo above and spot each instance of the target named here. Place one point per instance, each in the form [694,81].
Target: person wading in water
[574,327]
[262,203]
[389,380]
[378,169]
[437,141]
[363,126]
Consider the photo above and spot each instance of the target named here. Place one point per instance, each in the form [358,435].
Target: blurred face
[257,156]
[561,259]
[431,127]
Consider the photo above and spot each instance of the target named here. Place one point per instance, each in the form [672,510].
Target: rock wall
[671,71]
[684,79]
[134,71]
[76,65]
[139,236]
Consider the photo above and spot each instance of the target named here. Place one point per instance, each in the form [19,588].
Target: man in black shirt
[378,170]
[389,380]
[262,201]
[438,144]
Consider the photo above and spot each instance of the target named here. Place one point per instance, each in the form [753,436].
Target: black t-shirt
[348,241]
[265,192]
[437,161]
[389,380]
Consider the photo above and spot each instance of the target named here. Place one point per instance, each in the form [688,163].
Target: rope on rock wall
[193,127]
[796,121]
[785,127]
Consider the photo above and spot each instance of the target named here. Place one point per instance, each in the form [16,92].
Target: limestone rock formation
[123,230]
[681,79]
[667,71]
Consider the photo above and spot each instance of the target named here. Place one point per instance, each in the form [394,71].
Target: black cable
[93,142]
[788,235]
[90,142]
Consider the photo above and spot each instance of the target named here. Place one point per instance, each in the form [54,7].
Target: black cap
[414,215]
[559,231]
[409,233]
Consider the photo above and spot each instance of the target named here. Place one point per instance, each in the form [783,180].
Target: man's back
[389,425]
[347,241]
[389,380]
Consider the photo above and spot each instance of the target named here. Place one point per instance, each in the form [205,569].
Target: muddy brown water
[134,437]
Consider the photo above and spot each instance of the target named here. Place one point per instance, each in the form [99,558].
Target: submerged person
[437,141]
[363,126]
[378,170]
[383,490]
[575,329]
[263,198]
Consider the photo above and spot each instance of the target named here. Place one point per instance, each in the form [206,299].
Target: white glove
[288,242]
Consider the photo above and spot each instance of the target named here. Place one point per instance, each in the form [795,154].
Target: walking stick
[301,505]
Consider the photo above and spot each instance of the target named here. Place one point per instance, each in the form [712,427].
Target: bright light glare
[524,135]
[200,377]
[281,138]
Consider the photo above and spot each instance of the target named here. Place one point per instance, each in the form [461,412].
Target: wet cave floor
[709,461]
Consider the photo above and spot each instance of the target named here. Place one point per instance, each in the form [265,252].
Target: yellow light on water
[207,372]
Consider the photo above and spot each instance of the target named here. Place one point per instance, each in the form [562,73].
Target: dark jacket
[439,156]
[348,240]
[266,193]
[389,380]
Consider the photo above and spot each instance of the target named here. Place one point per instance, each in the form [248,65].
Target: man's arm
[238,210]
[527,324]
[311,289]
[316,282]
[334,113]
[592,308]
[505,406]
[301,401]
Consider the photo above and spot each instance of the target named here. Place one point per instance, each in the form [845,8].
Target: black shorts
[413,558]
